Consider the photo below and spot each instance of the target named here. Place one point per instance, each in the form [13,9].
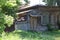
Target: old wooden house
[37,17]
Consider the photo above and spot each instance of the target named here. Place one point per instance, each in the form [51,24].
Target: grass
[29,35]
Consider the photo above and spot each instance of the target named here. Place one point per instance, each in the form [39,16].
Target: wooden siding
[48,14]
[42,8]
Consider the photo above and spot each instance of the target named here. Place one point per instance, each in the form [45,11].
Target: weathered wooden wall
[49,15]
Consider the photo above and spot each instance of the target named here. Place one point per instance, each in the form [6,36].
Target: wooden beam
[41,8]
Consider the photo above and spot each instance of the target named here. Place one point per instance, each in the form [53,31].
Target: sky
[35,2]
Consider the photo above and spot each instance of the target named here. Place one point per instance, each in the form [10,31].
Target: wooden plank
[42,8]
[31,23]
[35,23]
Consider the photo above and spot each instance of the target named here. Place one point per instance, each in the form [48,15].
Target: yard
[8,17]
[29,35]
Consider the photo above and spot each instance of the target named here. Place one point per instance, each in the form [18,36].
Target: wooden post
[49,18]
[31,23]
[35,23]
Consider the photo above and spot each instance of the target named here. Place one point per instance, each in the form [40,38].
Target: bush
[9,20]
[7,14]
[49,27]
[58,23]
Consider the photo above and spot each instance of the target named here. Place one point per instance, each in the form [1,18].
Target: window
[39,20]
[22,18]
[45,19]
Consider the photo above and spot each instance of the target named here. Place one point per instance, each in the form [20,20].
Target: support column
[52,18]
[49,18]
[35,23]
[31,23]
[56,19]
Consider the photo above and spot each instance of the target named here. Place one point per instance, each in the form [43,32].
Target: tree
[52,2]
[7,14]
[8,11]
[27,1]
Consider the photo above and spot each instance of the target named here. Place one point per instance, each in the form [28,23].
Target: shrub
[49,27]
[9,20]
[7,15]
[58,23]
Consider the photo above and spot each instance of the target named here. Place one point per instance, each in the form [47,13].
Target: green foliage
[7,10]
[58,24]
[58,2]
[49,27]
[27,35]
[18,2]
[52,2]
[7,13]
[3,2]
[9,20]
[5,19]
[2,22]
[2,27]
[26,1]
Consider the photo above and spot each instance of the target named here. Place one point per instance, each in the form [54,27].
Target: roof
[41,8]
[23,12]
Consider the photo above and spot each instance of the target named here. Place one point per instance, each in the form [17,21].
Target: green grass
[29,35]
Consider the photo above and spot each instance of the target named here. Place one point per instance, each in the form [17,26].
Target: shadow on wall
[58,23]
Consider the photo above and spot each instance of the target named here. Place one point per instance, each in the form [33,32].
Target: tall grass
[28,35]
